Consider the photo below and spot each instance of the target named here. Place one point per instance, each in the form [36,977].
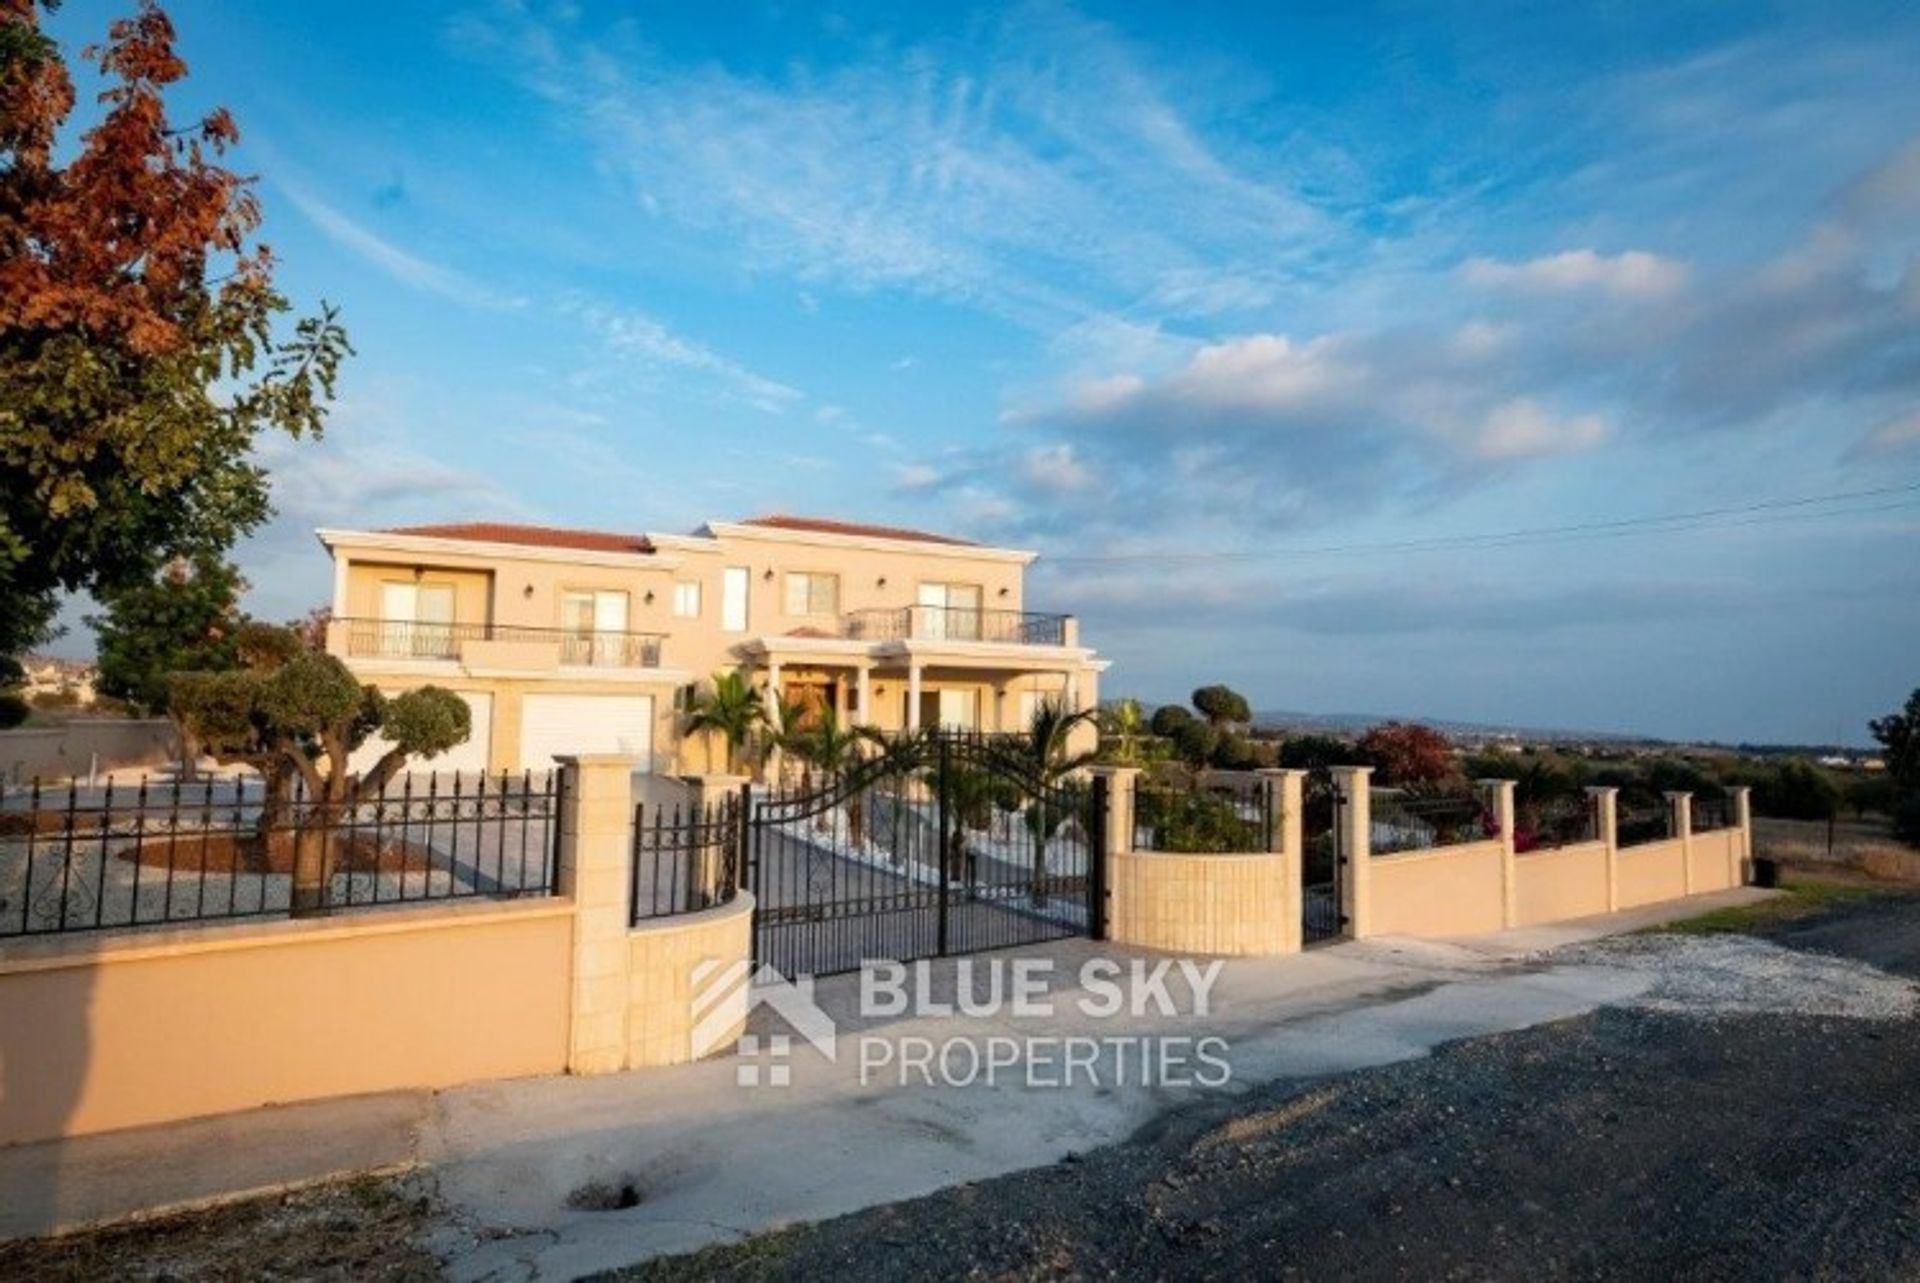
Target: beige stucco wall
[472,587]
[1568,882]
[143,1029]
[1206,904]
[1447,891]
[1652,872]
[111,743]
[1715,860]
[662,957]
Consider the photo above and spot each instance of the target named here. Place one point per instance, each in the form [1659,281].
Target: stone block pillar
[1606,827]
[1286,800]
[1500,800]
[1353,830]
[1681,805]
[594,870]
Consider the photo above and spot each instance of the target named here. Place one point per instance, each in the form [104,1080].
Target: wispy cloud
[1034,169]
[1630,274]
[631,335]
[407,268]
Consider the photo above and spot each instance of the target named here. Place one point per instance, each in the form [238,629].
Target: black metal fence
[1555,822]
[1410,822]
[686,858]
[1196,817]
[75,857]
[1710,813]
[1638,823]
[956,623]
[415,639]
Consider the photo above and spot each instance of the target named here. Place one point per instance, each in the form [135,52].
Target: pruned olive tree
[296,715]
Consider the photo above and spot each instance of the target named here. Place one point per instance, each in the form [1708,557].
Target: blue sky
[1128,284]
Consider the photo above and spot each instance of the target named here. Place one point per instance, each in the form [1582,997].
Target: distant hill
[1352,723]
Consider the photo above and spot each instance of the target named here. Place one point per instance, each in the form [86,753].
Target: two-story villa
[575,641]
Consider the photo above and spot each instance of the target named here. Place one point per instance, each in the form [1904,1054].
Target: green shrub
[1196,822]
[1906,820]
[13,711]
[1796,790]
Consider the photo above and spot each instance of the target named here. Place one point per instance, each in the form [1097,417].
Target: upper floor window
[686,599]
[733,599]
[950,611]
[416,620]
[594,624]
[812,593]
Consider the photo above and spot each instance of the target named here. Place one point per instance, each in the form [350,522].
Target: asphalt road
[1623,1144]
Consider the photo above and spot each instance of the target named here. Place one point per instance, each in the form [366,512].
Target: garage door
[554,725]
[468,757]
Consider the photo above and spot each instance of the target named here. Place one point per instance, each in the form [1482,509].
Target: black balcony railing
[409,639]
[956,623]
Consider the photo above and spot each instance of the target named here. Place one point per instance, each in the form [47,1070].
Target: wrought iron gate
[941,843]
[1322,863]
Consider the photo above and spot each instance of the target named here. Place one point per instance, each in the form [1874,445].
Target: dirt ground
[1629,1143]
[351,1231]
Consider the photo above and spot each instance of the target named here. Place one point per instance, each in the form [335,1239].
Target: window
[416,620]
[595,624]
[733,599]
[812,593]
[949,611]
[686,600]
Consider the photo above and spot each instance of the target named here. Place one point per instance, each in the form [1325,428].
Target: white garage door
[468,757]
[553,725]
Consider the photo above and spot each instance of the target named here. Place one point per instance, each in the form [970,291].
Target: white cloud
[1895,436]
[636,336]
[1030,166]
[1055,469]
[1522,429]
[1631,274]
[408,269]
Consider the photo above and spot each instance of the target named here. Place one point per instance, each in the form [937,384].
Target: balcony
[494,645]
[959,624]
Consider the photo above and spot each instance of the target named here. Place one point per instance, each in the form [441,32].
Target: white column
[1500,794]
[913,697]
[339,584]
[1682,822]
[1355,827]
[867,715]
[1606,823]
[773,681]
[1743,845]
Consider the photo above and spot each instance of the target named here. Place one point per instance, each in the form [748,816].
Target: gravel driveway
[1757,1111]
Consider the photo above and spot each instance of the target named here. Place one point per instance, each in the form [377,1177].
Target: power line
[1764,512]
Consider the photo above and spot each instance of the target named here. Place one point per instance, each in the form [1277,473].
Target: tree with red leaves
[139,353]
[1411,756]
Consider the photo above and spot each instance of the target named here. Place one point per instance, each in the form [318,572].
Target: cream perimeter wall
[151,1028]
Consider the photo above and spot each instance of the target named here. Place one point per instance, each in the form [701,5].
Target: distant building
[69,680]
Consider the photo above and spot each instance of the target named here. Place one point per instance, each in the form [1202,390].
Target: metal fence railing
[1199,818]
[1710,813]
[1639,823]
[1403,822]
[1554,823]
[686,858]
[577,647]
[75,857]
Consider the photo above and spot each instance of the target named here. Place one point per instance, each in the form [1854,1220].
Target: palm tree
[784,730]
[733,709]
[1044,755]
[1125,722]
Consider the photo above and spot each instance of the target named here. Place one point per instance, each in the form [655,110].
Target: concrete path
[522,1165]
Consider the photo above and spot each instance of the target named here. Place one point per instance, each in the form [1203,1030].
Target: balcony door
[416,620]
[950,612]
[595,624]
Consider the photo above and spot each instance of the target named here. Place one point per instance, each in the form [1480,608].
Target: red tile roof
[531,536]
[781,521]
